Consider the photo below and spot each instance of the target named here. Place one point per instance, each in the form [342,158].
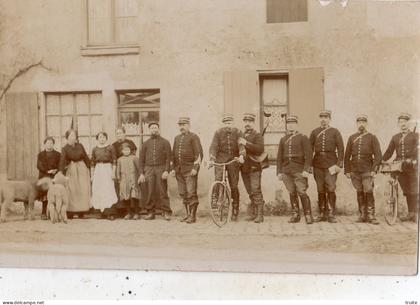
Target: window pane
[95,103]
[100,22]
[53,126]
[96,123]
[83,125]
[126,8]
[131,122]
[82,103]
[65,124]
[276,122]
[53,104]
[273,138]
[146,118]
[67,104]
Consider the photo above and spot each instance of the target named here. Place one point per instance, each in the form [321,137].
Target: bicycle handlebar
[226,163]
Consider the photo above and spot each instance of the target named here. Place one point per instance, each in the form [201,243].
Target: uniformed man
[251,169]
[405,144]
[361,162]
[155,161]
[293,168]
[186,163]
[224,148]
[327,145]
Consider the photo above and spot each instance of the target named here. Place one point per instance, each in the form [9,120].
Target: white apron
[103,190]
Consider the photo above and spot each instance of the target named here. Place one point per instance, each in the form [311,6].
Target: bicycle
[392,169]
[220,198]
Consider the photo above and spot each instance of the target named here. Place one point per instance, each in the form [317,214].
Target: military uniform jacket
[405,146]
[363,153]
[328,147]
[254,146]
[186,152]
[155,151]
[224,146]
[294,154]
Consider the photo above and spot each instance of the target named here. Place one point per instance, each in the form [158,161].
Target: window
[80,110]
[283,11]
[136,109]
[274,102]
[110,27]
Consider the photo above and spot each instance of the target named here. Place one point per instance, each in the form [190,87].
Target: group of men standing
[322,154]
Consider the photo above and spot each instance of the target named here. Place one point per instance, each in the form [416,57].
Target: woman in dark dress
[75,164]
[47,164]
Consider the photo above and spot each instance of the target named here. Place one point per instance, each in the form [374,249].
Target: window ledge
[110,50]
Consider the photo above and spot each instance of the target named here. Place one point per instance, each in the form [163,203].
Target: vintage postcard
[247,136]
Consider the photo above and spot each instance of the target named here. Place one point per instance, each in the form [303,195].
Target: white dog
[57,197]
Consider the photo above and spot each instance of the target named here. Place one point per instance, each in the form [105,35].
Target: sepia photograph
[251,136]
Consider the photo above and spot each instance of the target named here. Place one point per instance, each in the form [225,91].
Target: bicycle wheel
[219,203]
[391,203]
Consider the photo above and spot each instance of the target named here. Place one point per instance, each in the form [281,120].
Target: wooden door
[22,135]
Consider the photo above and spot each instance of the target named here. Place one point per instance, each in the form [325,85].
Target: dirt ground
[273,246]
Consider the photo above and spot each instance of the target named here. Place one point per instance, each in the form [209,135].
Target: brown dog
[17,191]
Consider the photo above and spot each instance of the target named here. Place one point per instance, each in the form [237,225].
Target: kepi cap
[153,123]
[183,120]
[325,113]
[291,119]
[404,116]
[227,118]
[249,117]
[362,117]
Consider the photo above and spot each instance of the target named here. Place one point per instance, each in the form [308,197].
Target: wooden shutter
[306,96]
[241,94]
[22,135]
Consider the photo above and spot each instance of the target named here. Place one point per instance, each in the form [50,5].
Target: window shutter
[241,94]
[22,135]
[306,96]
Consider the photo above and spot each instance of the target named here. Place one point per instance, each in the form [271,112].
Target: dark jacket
[47,161]
[294,154]
[327,146]
[405,146]
[74,153]
[253,147]
[363,153]
[156,151]
[186,152]
[224,146]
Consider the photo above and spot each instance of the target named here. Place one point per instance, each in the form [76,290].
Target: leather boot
[235,205]
[412,209]
[294,202]
[44,210]
[322,204]
[332,198]
[362,207]
[252,212]
[187,209]
[192,215]
[370,202]
[306,205]
[260,213]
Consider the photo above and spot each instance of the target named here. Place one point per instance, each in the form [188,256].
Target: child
[127,175]
[48,163]
[103,173]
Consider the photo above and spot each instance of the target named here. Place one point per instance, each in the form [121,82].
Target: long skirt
[103,191]
[78,187]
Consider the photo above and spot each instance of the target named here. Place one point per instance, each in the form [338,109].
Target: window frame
[112,48]
[60,115]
